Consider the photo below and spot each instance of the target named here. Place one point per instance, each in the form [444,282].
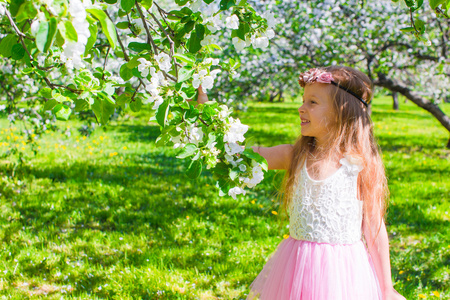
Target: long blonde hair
[353,135]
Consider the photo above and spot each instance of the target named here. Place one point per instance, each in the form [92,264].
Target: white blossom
[195,134]
[2,10]
[257,176]
[242,167]
[260,42]
[236,191]
[240,44]
[164,62]
[269,16]
[214,23]
[233,148]
[202,78]
[74,50]
[208,40]
[178,141]
[144,66]
[224,112]
[232,22]
[236,131]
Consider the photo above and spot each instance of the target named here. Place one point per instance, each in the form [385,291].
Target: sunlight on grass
[112,216]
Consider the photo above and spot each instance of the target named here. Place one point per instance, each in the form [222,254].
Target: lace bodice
[328,211]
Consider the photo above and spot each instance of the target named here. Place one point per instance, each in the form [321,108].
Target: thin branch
[104,64]
[125,55]
[412,20]
[135,91]
[172,44]
[149,36]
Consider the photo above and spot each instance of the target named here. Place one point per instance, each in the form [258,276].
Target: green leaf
[255,156]
[6,44]
[27,70]
[127,5]
[123,25]
[226,4]
[243,30]
[420,25]
[195,169]
[49,104]
[52,28]
[192,114]
[15,6]
[123,99]
[410,3]
[110,1]
[181,2]
[70,32]
[136,105]
[436,3]
[147,4]
[125,72]
[185,73]
[234,173]
[187,58]
[102,110]
[162,112]
[60,98]
[138,47]
[42,36]
[80,104]
[26,11]
[93,30]
[62,112]
[17,52]
[46,93]
[196,38]
[107,26]
[208,1]
[188,150]
[407,29]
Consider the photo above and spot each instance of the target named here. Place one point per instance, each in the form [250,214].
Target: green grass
[112,216]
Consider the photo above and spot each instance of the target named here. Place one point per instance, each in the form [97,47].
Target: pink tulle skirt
[303,270]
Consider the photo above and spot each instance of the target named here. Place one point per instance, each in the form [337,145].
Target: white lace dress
[324,258]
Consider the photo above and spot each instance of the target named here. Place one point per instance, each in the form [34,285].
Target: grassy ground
[112,216]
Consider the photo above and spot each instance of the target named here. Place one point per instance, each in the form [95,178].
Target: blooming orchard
[125,54]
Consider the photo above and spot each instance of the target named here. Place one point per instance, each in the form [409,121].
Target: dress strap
[352,163]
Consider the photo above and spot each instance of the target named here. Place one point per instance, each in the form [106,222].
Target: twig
[125,55]
[412,20]
[172,44]
[104,64]
[438,10]
[149,36]
[135,91]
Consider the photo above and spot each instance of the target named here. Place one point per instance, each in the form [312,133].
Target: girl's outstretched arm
[278,157]
[379,252]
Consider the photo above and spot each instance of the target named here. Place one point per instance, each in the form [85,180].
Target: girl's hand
[392,294]
[202,97]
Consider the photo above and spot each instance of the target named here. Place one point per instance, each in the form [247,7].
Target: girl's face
[317,113]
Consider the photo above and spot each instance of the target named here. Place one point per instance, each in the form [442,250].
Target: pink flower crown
[322,76]
[315,75]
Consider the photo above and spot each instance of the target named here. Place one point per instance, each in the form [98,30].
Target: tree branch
[149,36]
[397,86]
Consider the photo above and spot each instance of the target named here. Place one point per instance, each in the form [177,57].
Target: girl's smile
[317,112]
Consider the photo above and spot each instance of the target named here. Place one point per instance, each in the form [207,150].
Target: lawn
[113,216]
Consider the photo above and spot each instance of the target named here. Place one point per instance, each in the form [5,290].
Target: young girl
[334,190]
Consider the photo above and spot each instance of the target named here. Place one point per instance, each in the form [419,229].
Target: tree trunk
[397,86]
[395,98]
[280,96]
